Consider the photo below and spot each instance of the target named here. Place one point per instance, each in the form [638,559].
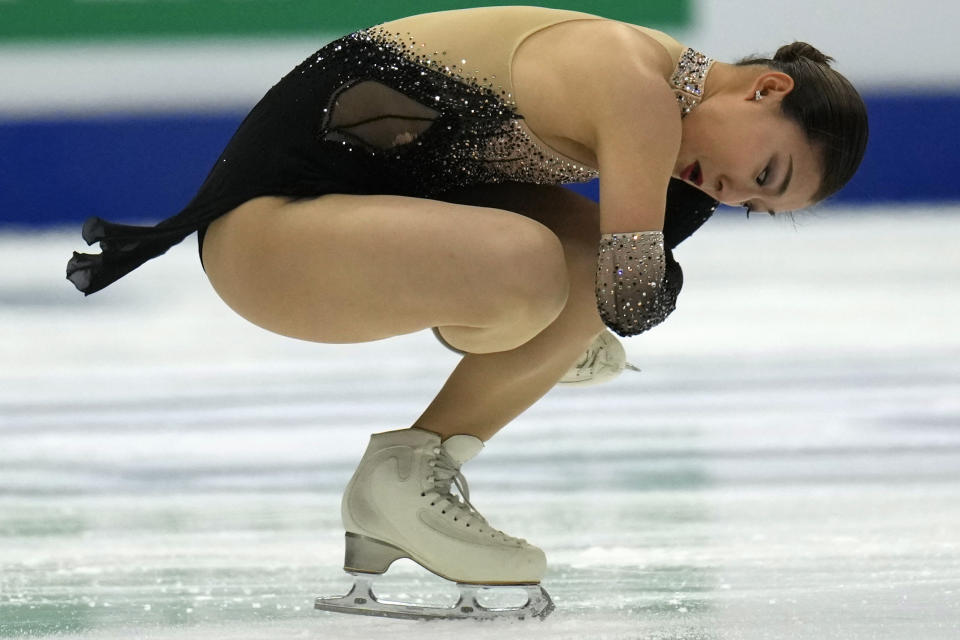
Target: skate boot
[399,504]
[603,361]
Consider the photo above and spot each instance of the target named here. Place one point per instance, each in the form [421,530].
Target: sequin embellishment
[688,79]
[630,272]
[476,137]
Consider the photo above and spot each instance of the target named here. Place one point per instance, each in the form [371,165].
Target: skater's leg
[486,391]
[399,502]
[353,268]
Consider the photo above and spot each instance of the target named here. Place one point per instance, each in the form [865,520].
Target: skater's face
[745,152]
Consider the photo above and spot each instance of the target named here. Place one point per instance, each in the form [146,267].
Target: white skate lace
[446,472]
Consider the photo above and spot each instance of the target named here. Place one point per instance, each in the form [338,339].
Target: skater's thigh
[570,215]
[350,268]
[574,218]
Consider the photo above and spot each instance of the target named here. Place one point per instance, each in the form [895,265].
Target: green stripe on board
[112,19]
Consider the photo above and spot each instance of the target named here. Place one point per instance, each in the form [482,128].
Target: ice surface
[787,465]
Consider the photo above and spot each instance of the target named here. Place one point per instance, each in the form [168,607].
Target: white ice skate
[399,505]
[603,361]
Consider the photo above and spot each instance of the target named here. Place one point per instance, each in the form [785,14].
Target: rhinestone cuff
[630,271]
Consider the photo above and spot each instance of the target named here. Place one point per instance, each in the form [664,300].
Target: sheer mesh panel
[376,115]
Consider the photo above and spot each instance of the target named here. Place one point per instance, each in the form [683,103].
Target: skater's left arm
[637,138]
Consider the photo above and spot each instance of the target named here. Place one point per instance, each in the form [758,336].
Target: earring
[757,96]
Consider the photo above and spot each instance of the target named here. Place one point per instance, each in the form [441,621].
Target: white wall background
[877,43]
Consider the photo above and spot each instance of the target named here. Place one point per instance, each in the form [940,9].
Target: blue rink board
[134,168]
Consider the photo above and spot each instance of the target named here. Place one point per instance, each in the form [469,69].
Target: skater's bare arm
[635,135]
[635,131]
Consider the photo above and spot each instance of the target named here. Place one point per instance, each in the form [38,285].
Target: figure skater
[404,178]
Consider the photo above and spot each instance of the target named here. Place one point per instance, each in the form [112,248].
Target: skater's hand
[630,281]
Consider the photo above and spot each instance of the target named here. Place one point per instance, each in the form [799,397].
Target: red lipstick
[692,174]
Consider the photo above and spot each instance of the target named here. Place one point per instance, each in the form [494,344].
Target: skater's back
[524,56]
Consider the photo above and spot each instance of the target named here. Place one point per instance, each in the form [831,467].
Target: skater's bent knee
[529,282]
[532,265]
[525,291]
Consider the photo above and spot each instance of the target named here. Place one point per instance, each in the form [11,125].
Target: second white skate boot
[604,360]
[399,504]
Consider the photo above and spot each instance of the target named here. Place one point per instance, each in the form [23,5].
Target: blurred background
[787,464]
[118,108]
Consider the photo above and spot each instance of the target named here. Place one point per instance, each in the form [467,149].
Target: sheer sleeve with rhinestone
[630,278]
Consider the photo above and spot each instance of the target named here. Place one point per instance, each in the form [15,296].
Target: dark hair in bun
[794,51]
[827,108]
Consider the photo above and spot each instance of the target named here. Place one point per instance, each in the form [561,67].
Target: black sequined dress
[377,112]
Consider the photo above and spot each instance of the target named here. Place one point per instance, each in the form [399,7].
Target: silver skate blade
[361,600]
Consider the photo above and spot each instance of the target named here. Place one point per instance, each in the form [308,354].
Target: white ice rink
[786,466]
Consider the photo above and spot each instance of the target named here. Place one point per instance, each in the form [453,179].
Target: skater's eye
[762,178]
